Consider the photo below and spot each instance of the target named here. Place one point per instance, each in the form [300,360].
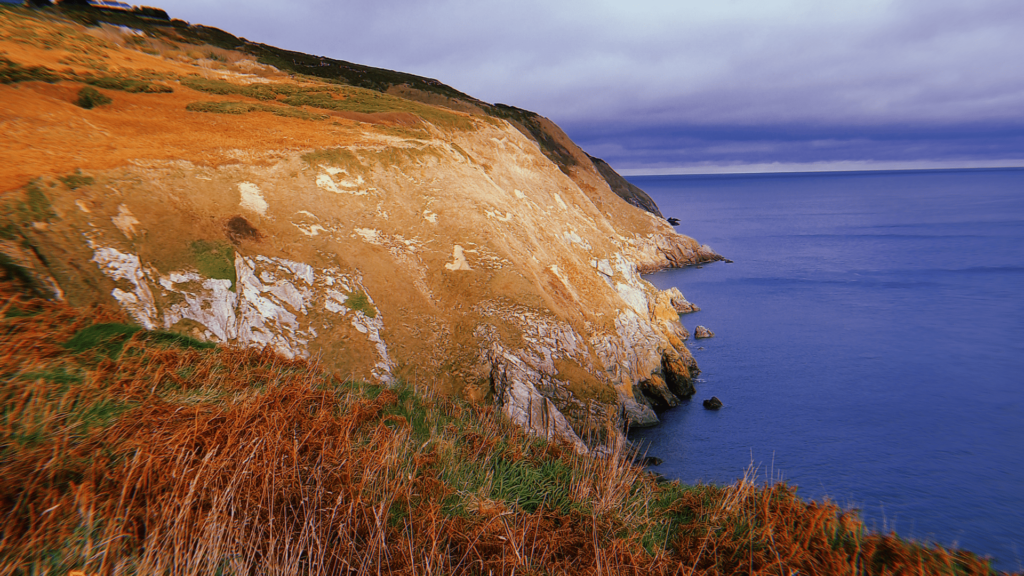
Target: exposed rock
[679,302]
[712,403]
[702,332]
[520,400]
[678,376]
[638,415]
[658,251]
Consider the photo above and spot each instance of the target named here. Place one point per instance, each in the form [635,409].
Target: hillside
[384,224]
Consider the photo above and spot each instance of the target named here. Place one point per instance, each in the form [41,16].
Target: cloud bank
[739,81]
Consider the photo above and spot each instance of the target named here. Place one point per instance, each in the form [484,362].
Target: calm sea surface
[869,345]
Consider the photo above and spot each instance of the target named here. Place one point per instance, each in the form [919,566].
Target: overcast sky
[684,86]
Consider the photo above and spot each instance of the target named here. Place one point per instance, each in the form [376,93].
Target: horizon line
[820,168]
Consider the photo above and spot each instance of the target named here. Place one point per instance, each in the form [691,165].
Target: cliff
[382,224]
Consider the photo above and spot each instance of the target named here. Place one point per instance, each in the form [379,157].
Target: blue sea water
[869,345]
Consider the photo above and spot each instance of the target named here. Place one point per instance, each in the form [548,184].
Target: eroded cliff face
[450,253]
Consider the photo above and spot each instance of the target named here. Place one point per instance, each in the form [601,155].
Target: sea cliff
[383,224]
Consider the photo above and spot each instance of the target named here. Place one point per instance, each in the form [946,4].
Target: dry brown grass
[163,458]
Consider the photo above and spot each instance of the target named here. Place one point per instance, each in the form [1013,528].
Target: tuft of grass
[214,259]
[89,97]
[76,179]
[37,207]
[360,302]
[107,339]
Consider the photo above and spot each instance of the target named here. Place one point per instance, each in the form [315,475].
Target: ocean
[869,345]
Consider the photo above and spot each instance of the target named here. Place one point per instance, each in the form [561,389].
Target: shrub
[124,84]
[89,97]
[11,73]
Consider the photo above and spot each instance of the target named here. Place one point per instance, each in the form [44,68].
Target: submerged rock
[647,461]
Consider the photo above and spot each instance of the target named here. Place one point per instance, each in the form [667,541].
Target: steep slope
[387,237]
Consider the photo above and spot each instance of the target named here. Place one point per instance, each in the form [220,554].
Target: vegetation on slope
[133,452]
[376,80]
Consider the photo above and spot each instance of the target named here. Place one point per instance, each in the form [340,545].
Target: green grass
[12,73]
[337,98]
[246,107]
[173,339]
[221,107]
[529,486]
[37,207]
[360,302]
[106,339]
[351,99]
[77,180]
[213,86]
[109,339]
[56,390]
[214,259]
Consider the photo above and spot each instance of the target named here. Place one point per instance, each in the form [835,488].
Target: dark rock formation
[657,393]
[712,403]
[624,189]
[678,375]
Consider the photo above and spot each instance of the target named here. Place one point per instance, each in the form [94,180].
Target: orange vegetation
[148,453]
[49,134]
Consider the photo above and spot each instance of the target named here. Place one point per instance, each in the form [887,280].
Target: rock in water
[712,403]
[647,461]
[702,332]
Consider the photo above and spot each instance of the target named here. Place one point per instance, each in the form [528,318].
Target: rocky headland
[382,224]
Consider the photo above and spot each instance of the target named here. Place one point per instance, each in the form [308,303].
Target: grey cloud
[649,63]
